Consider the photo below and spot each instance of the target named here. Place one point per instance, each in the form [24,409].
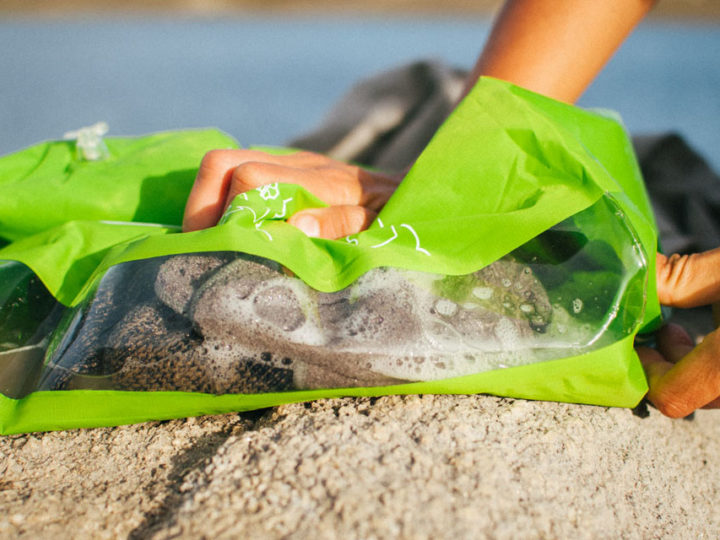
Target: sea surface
[267,79]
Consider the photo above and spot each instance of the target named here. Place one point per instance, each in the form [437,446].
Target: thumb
[689,280]
[333,222]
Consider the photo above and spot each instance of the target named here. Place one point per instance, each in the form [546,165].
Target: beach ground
[392,467]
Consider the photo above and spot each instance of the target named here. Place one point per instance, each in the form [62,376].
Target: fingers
[714,404]
[333,222]
[209,191]
[674,342]
[224,174]
[654,364]
[678,386]
[689,280]
[209,195]
[683,378]
[335,185]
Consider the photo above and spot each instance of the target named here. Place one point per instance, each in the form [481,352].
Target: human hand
[683,377]
[354,195]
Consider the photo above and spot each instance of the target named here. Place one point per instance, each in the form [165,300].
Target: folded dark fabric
[684,191]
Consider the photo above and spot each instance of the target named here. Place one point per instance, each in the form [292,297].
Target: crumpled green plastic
[507,165]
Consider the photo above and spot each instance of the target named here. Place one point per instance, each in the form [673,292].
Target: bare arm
[556,47]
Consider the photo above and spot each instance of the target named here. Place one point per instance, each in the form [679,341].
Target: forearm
[556,47]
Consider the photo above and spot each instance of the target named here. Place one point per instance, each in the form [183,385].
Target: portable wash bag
[516,258]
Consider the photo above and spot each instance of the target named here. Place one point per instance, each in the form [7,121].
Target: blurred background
[267,71]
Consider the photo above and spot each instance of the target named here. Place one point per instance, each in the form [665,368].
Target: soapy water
[390,321]
[388,327]
[229,322]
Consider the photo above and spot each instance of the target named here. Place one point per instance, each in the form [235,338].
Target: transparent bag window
[233,323]
[28,315]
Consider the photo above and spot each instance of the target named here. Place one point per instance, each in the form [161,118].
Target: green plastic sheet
[505,167]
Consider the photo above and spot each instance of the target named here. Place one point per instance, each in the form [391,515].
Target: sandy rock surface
[407,467]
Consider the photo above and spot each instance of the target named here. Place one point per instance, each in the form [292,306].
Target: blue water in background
[266,80]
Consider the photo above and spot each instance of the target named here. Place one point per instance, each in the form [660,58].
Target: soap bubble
[483,293]
[446,307]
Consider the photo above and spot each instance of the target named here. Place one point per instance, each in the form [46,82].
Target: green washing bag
[516,259]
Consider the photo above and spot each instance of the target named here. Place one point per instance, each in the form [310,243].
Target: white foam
[506,331]
[440,352]
[483,293]
[446,307]
[308,333]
